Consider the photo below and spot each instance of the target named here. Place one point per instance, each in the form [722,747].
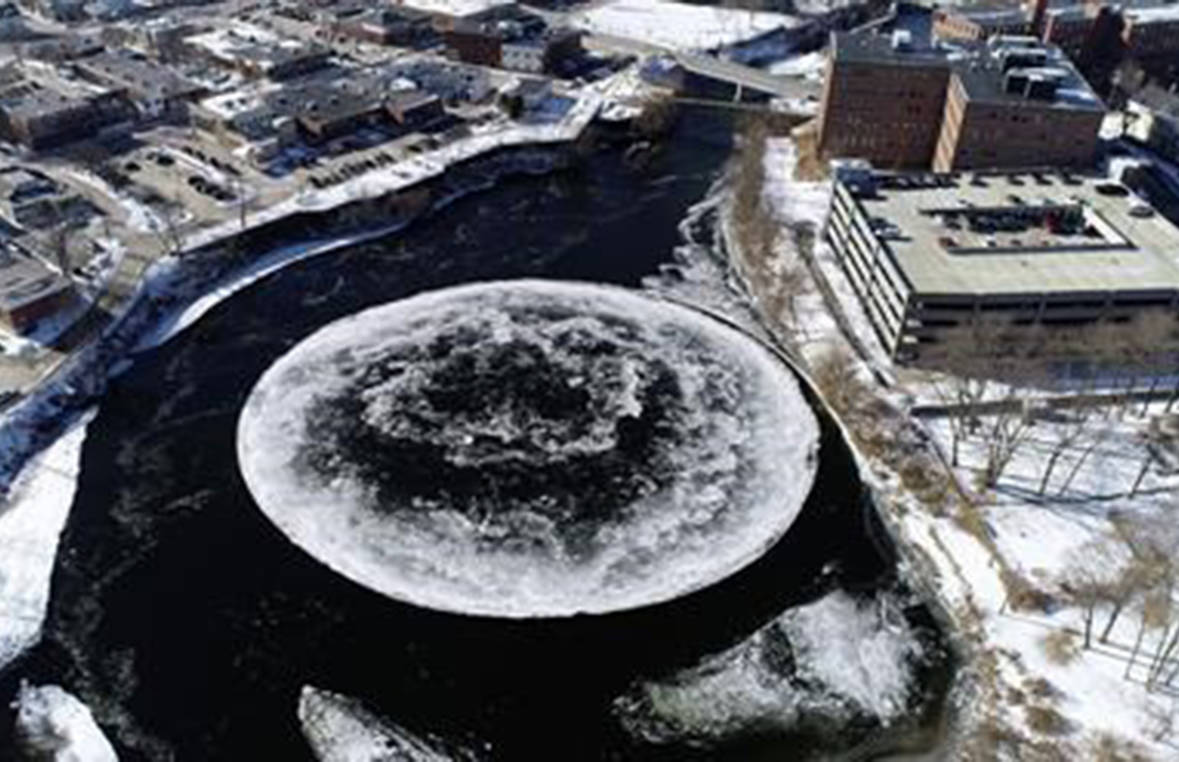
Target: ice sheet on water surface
[530,448]
[837,658]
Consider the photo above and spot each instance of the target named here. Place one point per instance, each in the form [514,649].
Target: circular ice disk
[530,449]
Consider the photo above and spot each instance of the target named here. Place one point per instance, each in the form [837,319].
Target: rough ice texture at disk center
[530,449]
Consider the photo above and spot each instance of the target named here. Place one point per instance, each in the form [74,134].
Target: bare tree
[657,116]
[1088,577]
[776,277]
[1080,462]
[58,239]
[1067,435]
[1143,470]
[1154,611]
[1139,575]
[989,366]
[165,223]
[836,378]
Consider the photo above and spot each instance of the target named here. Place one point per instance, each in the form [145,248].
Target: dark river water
[188,623]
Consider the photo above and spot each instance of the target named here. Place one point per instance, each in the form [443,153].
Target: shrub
[1106,747]
[1039,687]
[1060,647]
[1046,720]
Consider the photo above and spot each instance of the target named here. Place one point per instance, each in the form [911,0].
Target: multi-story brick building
[1022,113]
[882,100]
[1007,103]
[1100,35]
[1151,37]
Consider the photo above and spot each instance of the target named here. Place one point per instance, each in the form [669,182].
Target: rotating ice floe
[530,449]
[576,477]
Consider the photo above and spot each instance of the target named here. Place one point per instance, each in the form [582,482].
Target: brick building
[1006,103]
[882,100]
[979,22]
[1151,37]
[30,292]
[474,42]
[1017,107]
[1098,36]
[40,110]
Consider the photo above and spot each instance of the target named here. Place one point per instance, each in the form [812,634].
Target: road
[709,66]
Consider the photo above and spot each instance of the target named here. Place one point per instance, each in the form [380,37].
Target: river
[188,623]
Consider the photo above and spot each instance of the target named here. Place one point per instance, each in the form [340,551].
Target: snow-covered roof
[679,26]
[1159,14]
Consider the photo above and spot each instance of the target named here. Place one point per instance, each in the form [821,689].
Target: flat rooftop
[1021,233]
[24,281]
[125,70]
[978,65]
[878,49]
[1158,14]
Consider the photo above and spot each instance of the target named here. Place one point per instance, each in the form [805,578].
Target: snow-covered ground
[30,525]
[1036,537]
[54,726]
[680,26]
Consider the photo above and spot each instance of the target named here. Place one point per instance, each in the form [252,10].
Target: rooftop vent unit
[902,39]
[1013,41]
[856,174]
[1016,82]
[1013,58]
[1041,87]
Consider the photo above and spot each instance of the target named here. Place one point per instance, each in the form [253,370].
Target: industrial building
[1008,102]
[930,255]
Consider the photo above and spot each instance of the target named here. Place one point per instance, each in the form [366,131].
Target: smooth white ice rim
[530,449]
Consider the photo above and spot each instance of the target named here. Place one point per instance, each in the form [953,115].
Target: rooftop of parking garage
[1021,232]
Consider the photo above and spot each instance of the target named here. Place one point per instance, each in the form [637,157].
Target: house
[30,292]
[415,110]
[544,54]
[473,42]
[155,90]
[449,81]
[533,93]
[57,10]
[507,36]
[258,52]
[39,109]
[31,200]
[398,25]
